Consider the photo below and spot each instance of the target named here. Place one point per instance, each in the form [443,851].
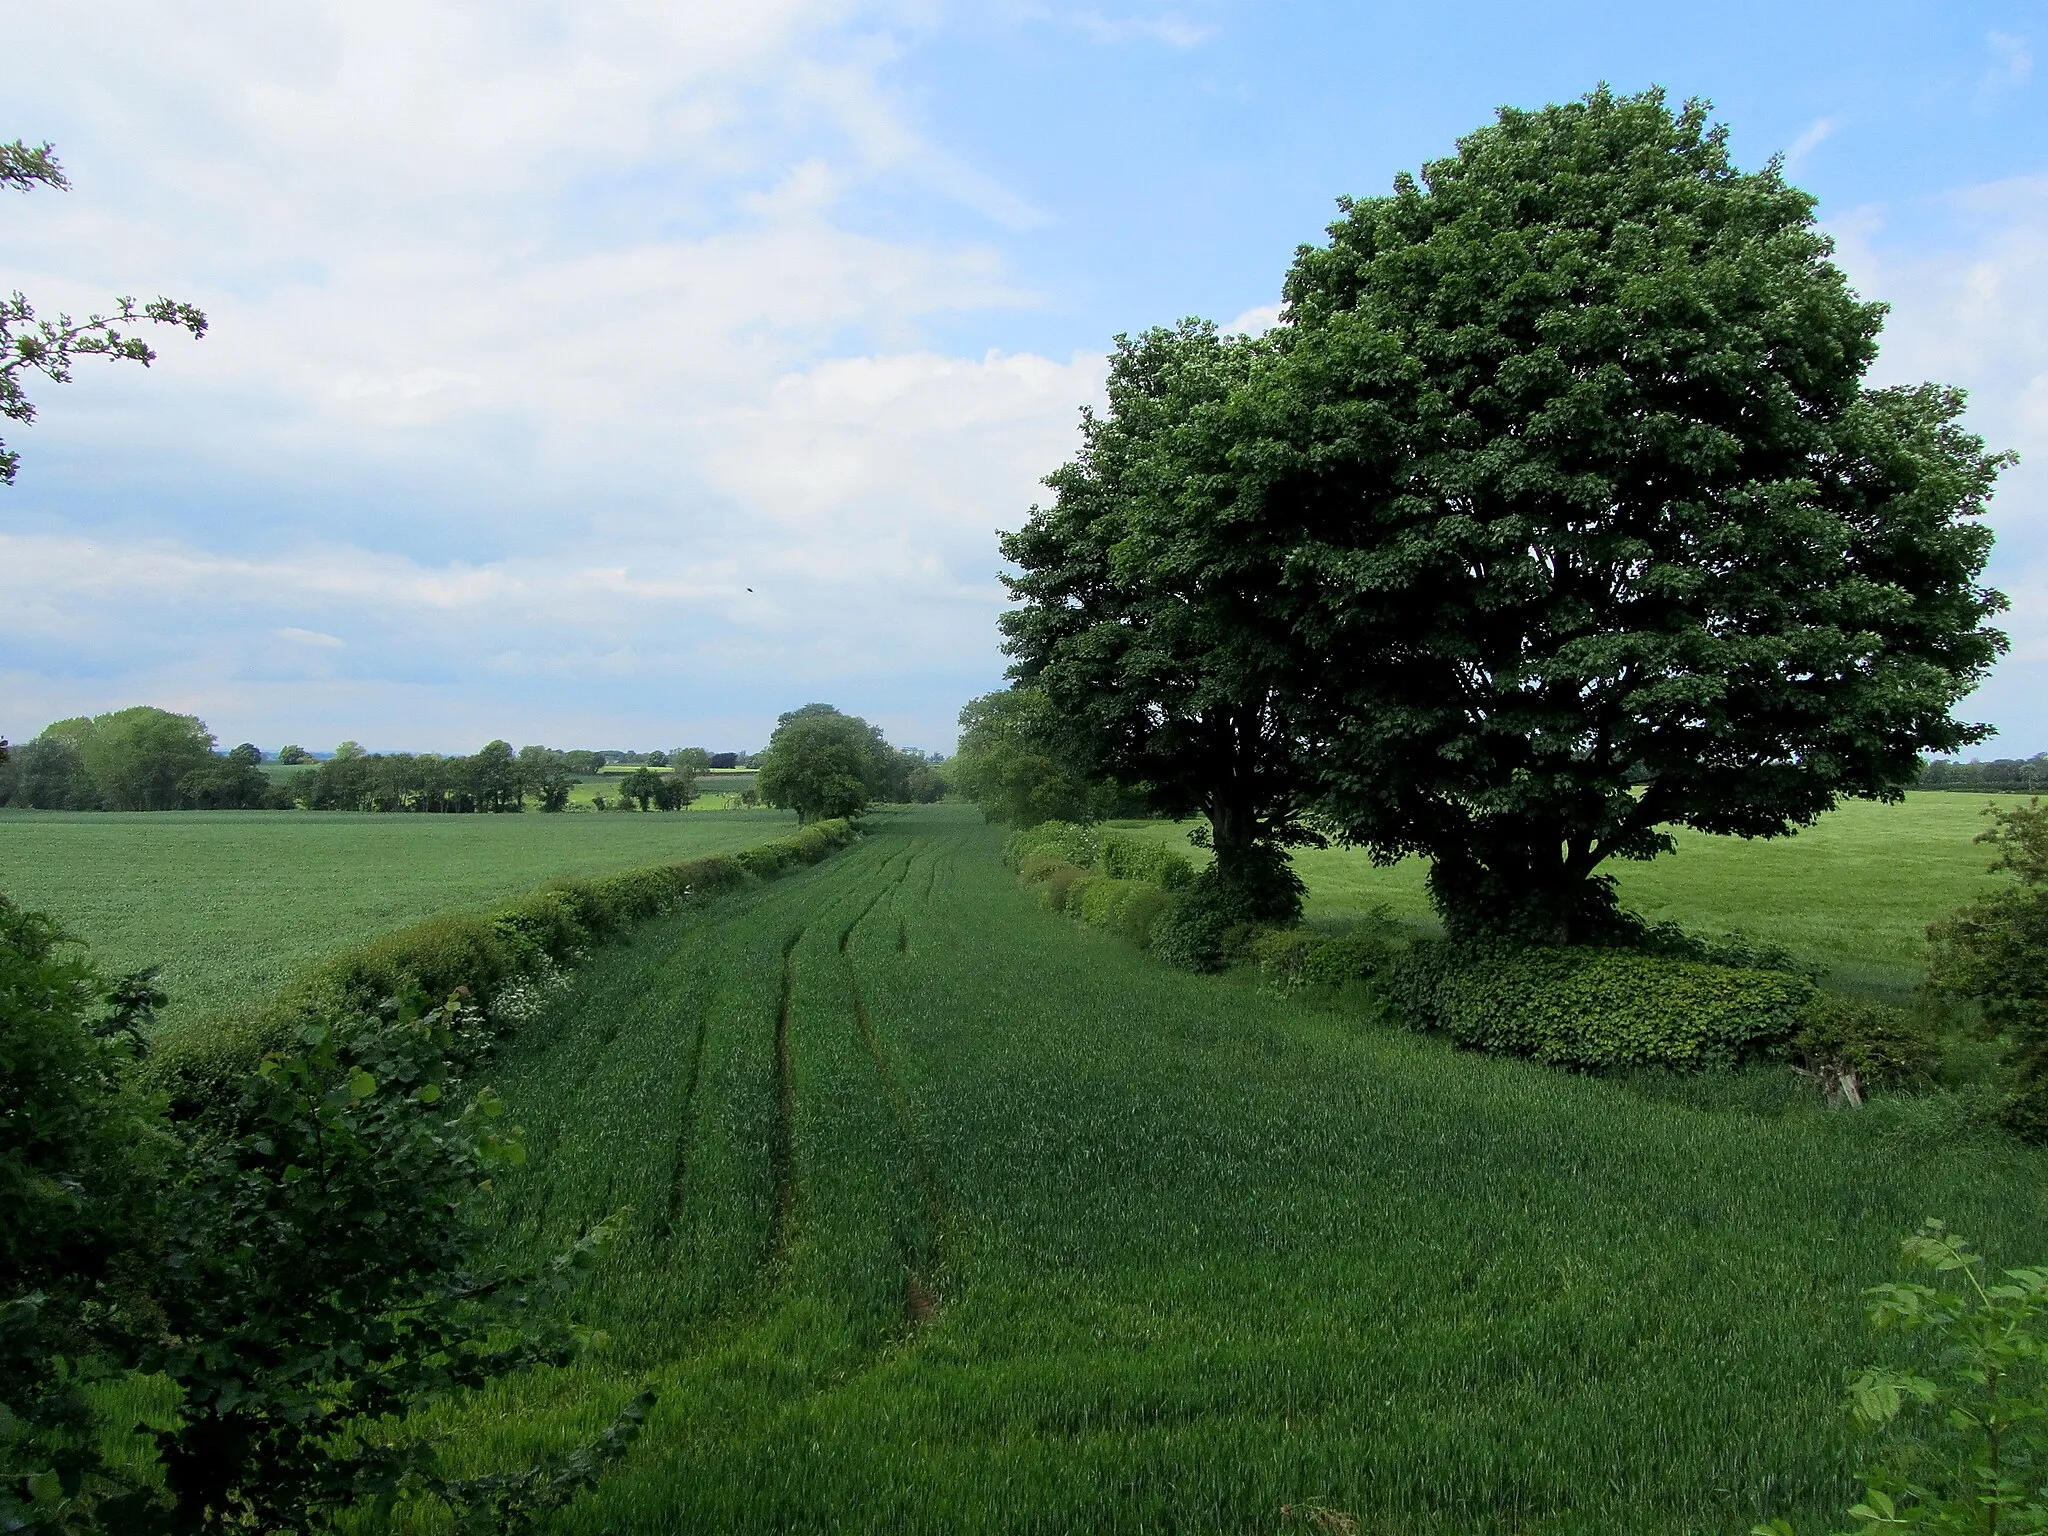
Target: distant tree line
[2001,775]
[147,759]
[139,759]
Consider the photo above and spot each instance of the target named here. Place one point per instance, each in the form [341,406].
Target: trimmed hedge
[1292,959]
[1599,1009]
[1064,840]
[547,929]
[1139,858]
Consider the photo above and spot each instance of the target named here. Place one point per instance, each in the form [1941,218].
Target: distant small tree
[657,759]
[349,751]
[818,763]
[640,786]
[544,774]
[293,754]
[48,347]
[247,752]
[674,791]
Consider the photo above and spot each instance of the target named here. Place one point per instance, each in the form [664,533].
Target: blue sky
[542,333]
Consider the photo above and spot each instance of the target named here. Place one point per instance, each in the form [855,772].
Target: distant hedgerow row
[531,937]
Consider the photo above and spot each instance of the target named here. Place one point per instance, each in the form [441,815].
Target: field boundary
[500,958]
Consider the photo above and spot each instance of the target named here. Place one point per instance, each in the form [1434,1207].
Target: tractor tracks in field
[782,1210]
[922,1264]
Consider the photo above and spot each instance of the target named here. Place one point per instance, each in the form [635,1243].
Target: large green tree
[29,345]
[1148,615]
[821,763]
[1593,527]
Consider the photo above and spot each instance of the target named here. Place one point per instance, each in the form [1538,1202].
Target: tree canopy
[1149,620]
[821,763]
[1554,513]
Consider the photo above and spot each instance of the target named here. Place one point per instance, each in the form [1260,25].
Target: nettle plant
[1963,1445]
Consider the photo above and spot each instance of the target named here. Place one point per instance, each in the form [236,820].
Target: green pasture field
[949,1216]
[1854,892]
[231,903]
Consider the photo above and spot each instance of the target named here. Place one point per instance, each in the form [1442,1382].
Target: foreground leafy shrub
[1995,952]
[73,1213]
[299,1271]
[1961,1442]
[1598,1009]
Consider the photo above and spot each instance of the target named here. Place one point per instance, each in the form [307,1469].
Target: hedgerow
[1293,959]
[1065,840]
[1127,908]
[482,953]
[1597,1009]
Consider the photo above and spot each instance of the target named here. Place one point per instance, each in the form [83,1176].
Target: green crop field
[230,903]
[948,1216]
[1855,892]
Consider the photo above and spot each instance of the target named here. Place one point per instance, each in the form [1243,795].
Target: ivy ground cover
[950,1217]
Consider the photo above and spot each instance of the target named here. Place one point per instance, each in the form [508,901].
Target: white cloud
[1255,321]
[1173,30]
[529,323]
[1975,314]
[1817,133]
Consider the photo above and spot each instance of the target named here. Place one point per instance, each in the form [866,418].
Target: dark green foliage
[299,1269]
[74,1146]
[48,774]
[1598,1009]
[1995,951]
[1196,935]
[1599,530]
[1150,618]
[319,1278]
[229,784]
[292,754]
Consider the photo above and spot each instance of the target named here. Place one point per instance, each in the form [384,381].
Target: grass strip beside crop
[536,935]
